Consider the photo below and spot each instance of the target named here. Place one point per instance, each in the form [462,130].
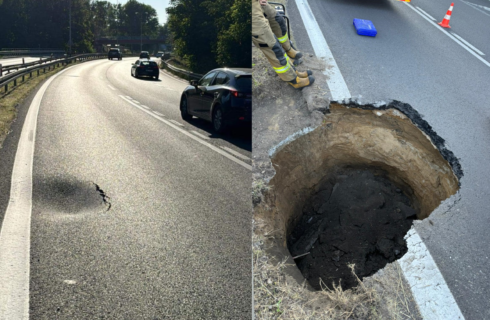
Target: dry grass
[277,295]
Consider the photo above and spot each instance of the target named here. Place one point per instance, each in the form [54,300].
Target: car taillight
[237,94]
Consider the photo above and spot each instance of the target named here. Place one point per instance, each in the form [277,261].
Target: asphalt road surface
[135,213]
[411,60]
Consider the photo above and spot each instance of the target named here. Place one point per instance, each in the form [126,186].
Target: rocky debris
[355,218]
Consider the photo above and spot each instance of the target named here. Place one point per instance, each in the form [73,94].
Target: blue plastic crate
[365,28]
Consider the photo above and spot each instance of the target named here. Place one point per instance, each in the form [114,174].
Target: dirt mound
[357,217]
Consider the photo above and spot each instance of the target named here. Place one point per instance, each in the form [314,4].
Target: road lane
[163,96]
[175,243]
[410,60]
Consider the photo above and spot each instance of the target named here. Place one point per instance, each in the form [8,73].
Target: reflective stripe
[282,69]
[283,39]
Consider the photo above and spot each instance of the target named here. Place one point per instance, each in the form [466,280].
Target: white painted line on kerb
[430,291]
[449,35]
[177,123]
[190,135]
[428,15]
[236,153]
[335,80]
[111,87]
[468,44]
[200,135]
[15,236]
[158,114]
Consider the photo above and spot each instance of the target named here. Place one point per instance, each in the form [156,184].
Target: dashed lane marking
[236,153]
[176,122]
[145,107]
[428,15]
[158,114]
[447,34]
[111,87]
[200,135]
[468,44]
[190,135]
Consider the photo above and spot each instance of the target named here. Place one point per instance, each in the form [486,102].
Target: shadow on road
[238,136]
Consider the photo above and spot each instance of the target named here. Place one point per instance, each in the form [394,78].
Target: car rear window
[244,83]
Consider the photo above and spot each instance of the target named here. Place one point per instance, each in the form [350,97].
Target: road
[135,213]
[413,61]
[10,61]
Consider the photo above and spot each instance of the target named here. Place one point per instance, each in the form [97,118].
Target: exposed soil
[357,217]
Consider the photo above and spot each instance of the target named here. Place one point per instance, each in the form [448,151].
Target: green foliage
[45,23]
[212,33]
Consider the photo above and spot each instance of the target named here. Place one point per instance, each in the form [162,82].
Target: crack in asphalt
[104,196]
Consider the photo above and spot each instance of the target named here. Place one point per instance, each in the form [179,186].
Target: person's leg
[280,30]
[264,39]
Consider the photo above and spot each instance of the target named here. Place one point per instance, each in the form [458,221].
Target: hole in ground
[348,191]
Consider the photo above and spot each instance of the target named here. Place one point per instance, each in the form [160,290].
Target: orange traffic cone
[445,22]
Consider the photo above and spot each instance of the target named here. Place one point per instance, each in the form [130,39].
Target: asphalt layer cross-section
[411,61]
[132,219]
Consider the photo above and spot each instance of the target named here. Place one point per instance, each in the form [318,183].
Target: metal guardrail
[16,67]
[181,72]
[13,77]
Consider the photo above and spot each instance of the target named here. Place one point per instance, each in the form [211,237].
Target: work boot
[304,74]
[300,83]
[293,54]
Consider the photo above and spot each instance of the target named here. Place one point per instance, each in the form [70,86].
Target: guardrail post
[6,87]
[15,82]
[23,61]
[1,71]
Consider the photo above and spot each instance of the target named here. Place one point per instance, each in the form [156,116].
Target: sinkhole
[347,192]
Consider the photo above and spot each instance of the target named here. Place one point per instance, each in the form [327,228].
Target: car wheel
[218,120]
[184,113]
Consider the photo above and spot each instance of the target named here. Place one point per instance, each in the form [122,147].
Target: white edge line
[468,44]
[430,291]
[15,233]
[200,135]
[428,15]
[176,122]
[190,135]
[236,153]
[449,35]
[335,80]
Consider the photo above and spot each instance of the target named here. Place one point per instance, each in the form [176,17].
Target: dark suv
[144,54]
[114,53]
[223,96]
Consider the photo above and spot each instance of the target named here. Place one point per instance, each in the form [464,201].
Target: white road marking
[335,80]
[468,44]
[158,114]
[449,35]
[15,236]
[145,107]
[200,135]
[111,87]
[478,7]
[190,135]
[236,153]
[430,291]
[69,281]
[428,15]
[176,122]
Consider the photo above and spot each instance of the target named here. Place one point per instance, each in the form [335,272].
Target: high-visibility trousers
[278,26]
[264,38]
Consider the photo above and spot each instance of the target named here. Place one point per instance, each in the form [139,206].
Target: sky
[159,6]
